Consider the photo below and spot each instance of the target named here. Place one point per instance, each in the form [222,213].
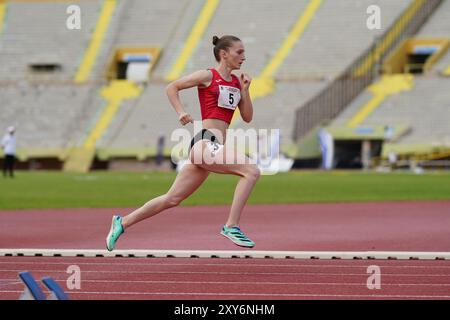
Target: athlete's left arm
[245,105]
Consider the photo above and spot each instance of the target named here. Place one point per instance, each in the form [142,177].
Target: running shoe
[236,235]
[114,233]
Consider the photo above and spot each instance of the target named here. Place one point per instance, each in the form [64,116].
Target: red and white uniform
[220,98]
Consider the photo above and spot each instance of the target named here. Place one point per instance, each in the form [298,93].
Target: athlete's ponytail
[222,43]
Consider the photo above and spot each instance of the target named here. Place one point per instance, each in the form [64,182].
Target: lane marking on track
[118,293]
[234,273]
[264,283]
[128,264]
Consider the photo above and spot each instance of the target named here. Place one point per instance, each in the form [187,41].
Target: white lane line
[9,283]
[230,254]
[248,294]
[128,264]
[263,283]
[231,273]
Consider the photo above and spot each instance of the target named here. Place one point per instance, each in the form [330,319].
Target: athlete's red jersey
[220,98]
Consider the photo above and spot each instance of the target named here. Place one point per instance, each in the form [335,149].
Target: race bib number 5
[229,97]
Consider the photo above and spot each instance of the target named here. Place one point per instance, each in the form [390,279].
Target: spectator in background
[392,157]
[327,149]
[9,149]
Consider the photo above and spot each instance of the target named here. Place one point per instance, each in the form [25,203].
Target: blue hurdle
[32,289]
[56,292]
[34,292]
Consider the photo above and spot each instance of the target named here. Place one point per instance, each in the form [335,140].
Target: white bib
[229,97]
[214,147]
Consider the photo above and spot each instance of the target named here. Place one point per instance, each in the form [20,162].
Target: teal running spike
[114,233]
[236,235]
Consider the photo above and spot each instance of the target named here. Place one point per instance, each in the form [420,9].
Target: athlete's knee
[172,200]
[252,172]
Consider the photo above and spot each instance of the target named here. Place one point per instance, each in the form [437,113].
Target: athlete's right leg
[187,181]
[229,161]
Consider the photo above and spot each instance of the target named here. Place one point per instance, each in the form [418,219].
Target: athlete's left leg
[227,160]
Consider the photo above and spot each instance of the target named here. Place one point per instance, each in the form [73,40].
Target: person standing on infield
[9,149]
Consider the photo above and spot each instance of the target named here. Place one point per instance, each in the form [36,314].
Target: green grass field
[118,189]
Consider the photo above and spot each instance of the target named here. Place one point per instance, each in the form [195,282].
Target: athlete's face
[235,56]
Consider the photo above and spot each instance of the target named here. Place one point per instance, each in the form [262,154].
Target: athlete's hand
[245,81]
[185,118]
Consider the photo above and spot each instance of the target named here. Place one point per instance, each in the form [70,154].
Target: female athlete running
[220,93]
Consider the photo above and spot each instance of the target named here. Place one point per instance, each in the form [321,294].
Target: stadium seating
[262,33]
[329,45]
[259,37]
[36,34]
[424,109]
[144,23]
[63,113]
[438,27]
[47,115]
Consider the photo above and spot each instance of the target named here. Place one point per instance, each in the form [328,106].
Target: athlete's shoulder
[203,74]
[205,77]
[207,74]
[197,78]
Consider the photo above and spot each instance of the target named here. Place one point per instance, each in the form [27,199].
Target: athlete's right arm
[198,78]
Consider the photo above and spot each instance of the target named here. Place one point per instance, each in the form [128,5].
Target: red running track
[223,279]
[392,226]
[387,226]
